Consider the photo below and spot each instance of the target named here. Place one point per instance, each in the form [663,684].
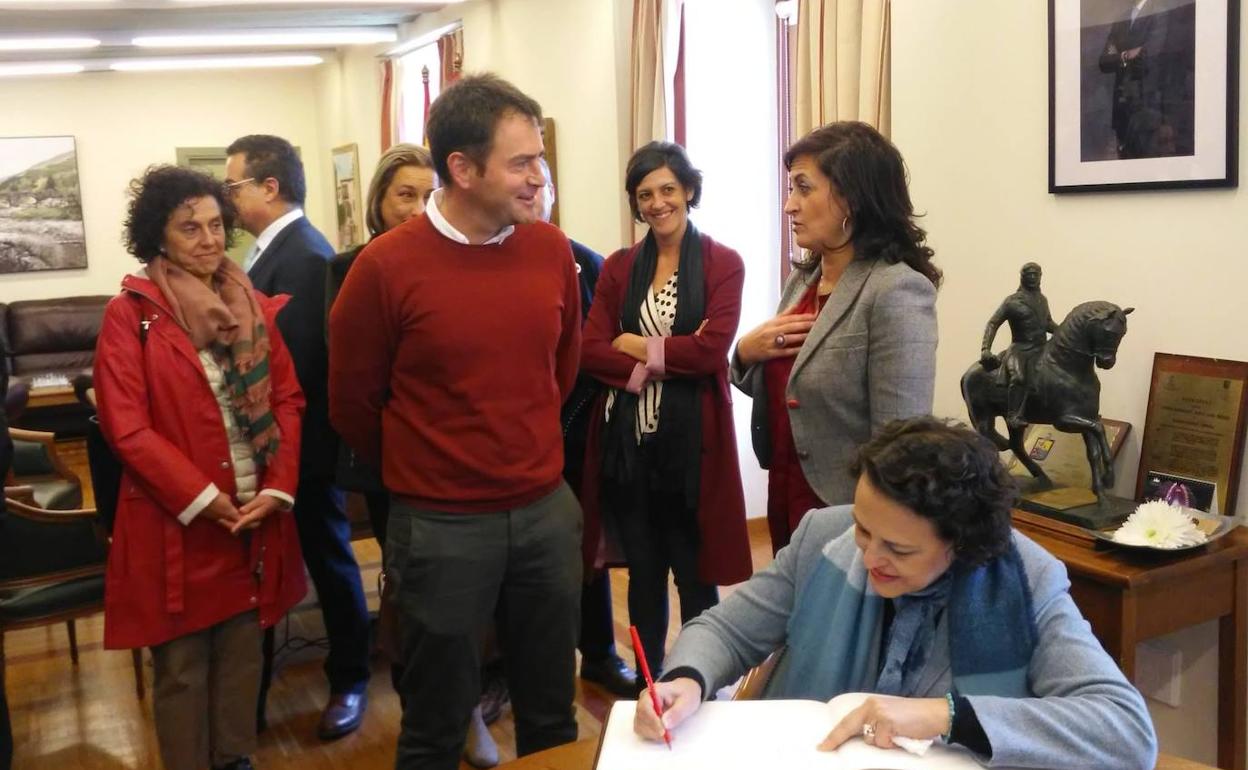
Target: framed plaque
[1063,456]
[1194,428]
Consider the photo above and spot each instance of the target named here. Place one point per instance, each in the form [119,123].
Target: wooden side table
[1129,596]
[55,395]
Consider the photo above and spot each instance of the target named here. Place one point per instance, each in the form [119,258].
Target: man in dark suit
[266,182]
[6,457]
[1135,54]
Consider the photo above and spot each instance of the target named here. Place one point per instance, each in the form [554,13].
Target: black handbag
[105,474]
[105,467]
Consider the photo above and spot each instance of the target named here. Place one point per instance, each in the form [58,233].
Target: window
[410,70]
[732,134]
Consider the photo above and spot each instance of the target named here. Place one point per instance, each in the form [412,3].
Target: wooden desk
[569,756]
[1128,597]
[580,756]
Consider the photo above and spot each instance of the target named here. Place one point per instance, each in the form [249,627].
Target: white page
[747,735]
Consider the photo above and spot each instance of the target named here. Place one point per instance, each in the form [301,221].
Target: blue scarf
[834,630]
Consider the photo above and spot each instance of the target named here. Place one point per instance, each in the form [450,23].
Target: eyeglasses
[231,188]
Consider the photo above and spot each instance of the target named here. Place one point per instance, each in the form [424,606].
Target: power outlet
[1158,672]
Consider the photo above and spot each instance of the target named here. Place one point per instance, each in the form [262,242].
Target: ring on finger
[868,732]
[779,340]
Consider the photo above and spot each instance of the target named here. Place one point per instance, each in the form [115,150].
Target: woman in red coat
[661,469]
[198,399]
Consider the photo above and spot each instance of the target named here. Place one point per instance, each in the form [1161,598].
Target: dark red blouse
[789,496]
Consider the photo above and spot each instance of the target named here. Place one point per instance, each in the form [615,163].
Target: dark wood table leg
[1129,636]
[1233,676]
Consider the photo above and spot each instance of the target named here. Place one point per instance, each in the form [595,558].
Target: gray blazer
[1084,713]
[870,358]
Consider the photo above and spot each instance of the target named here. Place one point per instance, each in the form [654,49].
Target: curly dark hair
[153,198]
[654,156]
[271,157]
[870,174]
[949,474]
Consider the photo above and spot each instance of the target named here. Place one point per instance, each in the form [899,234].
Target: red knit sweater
[450,363]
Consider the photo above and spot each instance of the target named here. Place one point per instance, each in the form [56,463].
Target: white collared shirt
[267,235]
[446,228]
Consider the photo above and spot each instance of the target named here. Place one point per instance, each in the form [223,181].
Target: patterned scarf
[227,319]
[680,419]
[834,630]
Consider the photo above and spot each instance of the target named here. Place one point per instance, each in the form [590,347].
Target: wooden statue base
[1070,509]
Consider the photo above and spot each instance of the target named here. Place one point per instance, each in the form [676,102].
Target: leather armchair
[52,571]
[50,337]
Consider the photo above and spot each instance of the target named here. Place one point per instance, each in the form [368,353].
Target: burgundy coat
[724,548]
[157,412]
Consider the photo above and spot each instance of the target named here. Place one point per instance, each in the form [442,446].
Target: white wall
[564,54]
[970,114]
[124,122]
[348,101]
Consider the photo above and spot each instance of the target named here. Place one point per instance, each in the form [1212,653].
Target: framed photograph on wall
[40,205]
[347,201]
[1143,94]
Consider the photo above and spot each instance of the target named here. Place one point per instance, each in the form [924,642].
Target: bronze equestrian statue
[1054,380]
[1027,312]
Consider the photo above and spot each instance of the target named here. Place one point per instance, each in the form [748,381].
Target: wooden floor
[88,717]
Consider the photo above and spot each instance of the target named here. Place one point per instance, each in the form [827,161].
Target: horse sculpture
[1062,390]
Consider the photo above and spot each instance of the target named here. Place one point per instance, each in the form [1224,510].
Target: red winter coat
[165,579]
[724,543]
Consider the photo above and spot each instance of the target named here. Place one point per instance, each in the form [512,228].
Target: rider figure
[1027,312]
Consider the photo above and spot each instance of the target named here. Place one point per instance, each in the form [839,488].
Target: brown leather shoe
[342,715]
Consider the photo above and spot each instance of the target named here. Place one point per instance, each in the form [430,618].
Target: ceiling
[114,23]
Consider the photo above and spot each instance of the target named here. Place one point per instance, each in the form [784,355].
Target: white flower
[1159,525]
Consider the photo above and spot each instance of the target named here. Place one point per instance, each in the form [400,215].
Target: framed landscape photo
[1143,94]
[348,205]
[40,205]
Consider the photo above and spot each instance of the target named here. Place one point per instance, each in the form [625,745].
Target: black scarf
[678,448]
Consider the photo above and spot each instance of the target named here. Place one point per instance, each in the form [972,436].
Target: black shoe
[613,674]
[243,763]
[343,715]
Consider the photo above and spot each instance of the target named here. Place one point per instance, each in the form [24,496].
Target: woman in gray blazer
[854,343]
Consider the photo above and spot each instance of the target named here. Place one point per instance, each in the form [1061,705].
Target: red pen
[645,672]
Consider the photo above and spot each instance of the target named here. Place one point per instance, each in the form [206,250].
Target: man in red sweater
[453,342]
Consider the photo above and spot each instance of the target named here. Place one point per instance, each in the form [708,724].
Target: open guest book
[754,734]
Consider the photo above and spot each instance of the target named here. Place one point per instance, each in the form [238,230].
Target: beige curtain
[391,103]
[451,54]
[648,117]
[656,41]
[843,70]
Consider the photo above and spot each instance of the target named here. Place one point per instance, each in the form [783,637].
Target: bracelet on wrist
[949,701]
